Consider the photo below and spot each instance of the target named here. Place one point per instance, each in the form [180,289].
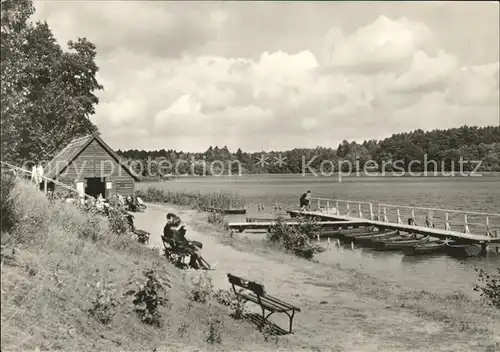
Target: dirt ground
[342,309]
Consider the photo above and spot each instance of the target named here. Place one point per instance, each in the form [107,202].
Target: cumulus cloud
[476,85]
[163,29]
[426,72]
[386,76]
[383,45]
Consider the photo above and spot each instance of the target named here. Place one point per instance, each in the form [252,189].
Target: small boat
[378,236]
[462,250]
[399,244]
[425,248]
[268,219]
[235,211]
[340,233]
[353,235]
[379,241]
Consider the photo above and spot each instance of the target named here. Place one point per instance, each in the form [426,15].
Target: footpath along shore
[342,309]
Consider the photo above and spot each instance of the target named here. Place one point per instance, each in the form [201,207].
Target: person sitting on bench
[175,232]
[130,203]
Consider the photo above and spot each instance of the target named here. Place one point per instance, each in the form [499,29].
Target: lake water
[438,274]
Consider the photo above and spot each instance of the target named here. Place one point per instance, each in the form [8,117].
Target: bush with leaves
[105,304]
[149,297]
[489,286]
[118,222]
[213,334]
[229,299]
[91,228]
[296,239]
[216,218]
[202,288]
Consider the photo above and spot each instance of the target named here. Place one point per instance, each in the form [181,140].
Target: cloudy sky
[276,75]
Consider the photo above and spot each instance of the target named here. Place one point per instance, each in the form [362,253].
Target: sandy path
[333,318]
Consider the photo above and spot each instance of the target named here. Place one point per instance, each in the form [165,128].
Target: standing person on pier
[305,200]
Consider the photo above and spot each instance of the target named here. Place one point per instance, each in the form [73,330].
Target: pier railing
[447,219]
[26,174]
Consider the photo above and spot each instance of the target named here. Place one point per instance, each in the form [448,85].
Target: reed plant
[196,200]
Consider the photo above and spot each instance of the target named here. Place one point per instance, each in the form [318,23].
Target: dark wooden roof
[64,158]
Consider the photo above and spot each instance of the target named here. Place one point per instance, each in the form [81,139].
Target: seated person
[140,202]
[99,204]
[174,232]
[129,202]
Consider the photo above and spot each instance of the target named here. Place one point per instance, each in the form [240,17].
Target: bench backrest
[256,288]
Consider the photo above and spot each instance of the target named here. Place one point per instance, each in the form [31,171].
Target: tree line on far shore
[468,148]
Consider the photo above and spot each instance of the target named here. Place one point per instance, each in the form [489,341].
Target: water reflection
[436,273]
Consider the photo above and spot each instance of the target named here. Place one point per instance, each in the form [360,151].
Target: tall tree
[13,62]
[57,86]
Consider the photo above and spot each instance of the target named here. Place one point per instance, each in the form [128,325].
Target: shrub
[32,214]
[229,299]
[489,286]
[202,288]
[118,222]
[214,330]
[296,239]
[104,306]
[8,218]
[216,218]
[149,297]
[91,228]
[182,330]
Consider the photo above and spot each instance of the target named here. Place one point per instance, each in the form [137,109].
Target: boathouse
[92,167]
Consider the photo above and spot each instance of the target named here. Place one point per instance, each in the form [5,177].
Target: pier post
[371,211]
[385,215]
[378,213]
[359,211]
[447,221]
[484,248]
[466,225]
[348,211]
[428,219]
[413,217]
[488,233]
[319,204]
[399,216]
[328,206]
[337,209]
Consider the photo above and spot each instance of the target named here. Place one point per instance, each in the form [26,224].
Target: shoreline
[416,174]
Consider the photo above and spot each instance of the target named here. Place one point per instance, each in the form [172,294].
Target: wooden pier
[264,225]
[420,220]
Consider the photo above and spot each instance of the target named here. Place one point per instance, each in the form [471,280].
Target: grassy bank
[196,200]
[69,283]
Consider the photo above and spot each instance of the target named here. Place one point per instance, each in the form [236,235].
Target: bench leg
[265,317]
[290,316]
[291,320]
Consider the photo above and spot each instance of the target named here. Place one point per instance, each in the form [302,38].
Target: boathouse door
[95,186]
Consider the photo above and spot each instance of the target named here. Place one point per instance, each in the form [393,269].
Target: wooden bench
[258,295]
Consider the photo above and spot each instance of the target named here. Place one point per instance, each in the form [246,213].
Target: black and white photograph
[250,176]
